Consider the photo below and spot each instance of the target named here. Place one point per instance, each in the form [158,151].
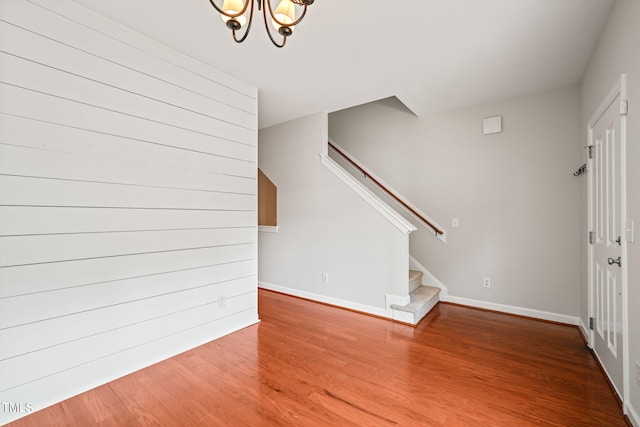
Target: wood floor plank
[309,364]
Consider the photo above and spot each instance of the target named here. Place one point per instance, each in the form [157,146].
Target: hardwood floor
[308,364]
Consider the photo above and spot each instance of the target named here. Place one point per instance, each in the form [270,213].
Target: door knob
[612,261]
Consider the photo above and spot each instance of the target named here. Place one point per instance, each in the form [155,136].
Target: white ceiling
[434,55]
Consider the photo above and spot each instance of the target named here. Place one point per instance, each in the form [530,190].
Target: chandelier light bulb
[286,14]
[233,7]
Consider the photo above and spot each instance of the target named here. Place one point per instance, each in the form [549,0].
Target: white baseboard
[633,416]
[584,330]
[510,309]
[428,277]
[326,299]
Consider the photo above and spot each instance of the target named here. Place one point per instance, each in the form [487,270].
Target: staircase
[423,299]
[419,299]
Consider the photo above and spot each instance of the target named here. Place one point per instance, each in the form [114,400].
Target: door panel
[606,217]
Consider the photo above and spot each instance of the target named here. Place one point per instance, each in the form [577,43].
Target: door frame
[618,91]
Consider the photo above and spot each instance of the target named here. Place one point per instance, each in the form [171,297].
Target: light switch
[455,222]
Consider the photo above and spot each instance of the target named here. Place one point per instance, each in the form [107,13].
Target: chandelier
[283,19]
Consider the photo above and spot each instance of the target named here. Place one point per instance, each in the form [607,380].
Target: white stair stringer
[368,195]
[422,300]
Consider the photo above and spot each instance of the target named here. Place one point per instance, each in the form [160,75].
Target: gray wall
[514,193]
[325,227]
[617,52]
[127,203]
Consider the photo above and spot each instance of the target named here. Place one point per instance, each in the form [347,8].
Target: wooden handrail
[385,189]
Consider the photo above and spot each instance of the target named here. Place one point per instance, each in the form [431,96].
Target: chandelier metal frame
[285,29]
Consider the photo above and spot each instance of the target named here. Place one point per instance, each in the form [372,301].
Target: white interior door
[607,277]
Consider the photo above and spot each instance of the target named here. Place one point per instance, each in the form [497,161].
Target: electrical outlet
[486,282]
[222,301]
[325,278]
[638,371]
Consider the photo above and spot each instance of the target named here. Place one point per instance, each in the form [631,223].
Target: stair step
[424,293]
[414,274]
[415,279]
[420,297]
[423,299]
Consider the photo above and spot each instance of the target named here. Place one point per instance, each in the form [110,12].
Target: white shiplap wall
[127,203]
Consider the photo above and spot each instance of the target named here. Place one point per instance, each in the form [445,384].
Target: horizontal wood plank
[24,250]
[33,191]
[19,220]
[192,154]
[29,279]
[31,308]
[21,161]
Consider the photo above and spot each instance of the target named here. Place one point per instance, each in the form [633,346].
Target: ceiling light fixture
[283,20]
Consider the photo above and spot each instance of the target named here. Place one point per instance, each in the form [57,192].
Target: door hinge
[590,147]
[591,237]
[624,107]
[591,323]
